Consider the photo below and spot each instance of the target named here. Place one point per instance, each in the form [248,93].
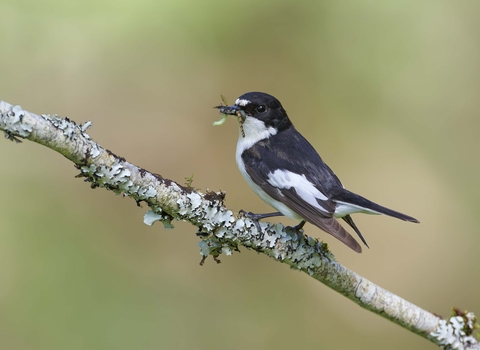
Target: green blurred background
[388,92]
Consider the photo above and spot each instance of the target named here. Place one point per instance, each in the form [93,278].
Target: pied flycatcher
[283,168]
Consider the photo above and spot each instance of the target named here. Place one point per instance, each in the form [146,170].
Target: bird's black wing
[289,150]
[326,180]
[298,161]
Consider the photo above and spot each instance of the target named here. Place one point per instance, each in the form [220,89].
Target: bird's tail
[348,219]
[349,198]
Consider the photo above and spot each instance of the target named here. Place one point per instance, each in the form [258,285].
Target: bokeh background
[387,91]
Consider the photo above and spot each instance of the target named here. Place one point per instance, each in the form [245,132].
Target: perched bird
[283,168]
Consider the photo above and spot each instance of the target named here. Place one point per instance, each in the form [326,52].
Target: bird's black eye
[261,109]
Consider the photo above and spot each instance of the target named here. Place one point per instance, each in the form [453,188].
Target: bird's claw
[253,217]
[296,231]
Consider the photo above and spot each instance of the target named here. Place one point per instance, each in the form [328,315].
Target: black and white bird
[283,168]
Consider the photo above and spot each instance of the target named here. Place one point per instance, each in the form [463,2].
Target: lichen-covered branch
[222,231]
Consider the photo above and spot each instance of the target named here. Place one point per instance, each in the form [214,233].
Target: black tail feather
[345,196]
[348,219]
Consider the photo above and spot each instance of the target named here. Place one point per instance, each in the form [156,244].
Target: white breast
[255,130]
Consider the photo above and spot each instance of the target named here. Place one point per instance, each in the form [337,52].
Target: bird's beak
[232,110]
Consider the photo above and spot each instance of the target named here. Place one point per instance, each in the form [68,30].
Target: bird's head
[257,111]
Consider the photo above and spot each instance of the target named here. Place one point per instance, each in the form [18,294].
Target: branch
[222,231]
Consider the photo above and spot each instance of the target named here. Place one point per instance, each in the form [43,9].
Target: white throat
[255,130]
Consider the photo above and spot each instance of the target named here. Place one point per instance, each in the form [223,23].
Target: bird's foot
[256,217]
[296,231]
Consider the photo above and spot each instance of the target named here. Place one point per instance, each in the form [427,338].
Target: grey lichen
[457,332]
[115,176]
[85,126]
[211,214]
[273,240]
[66,125]
[94,151]
[154,215]
[11,122]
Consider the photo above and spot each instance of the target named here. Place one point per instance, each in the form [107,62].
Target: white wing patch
[342,209]
[262,194]
[241,102]
[304,188]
